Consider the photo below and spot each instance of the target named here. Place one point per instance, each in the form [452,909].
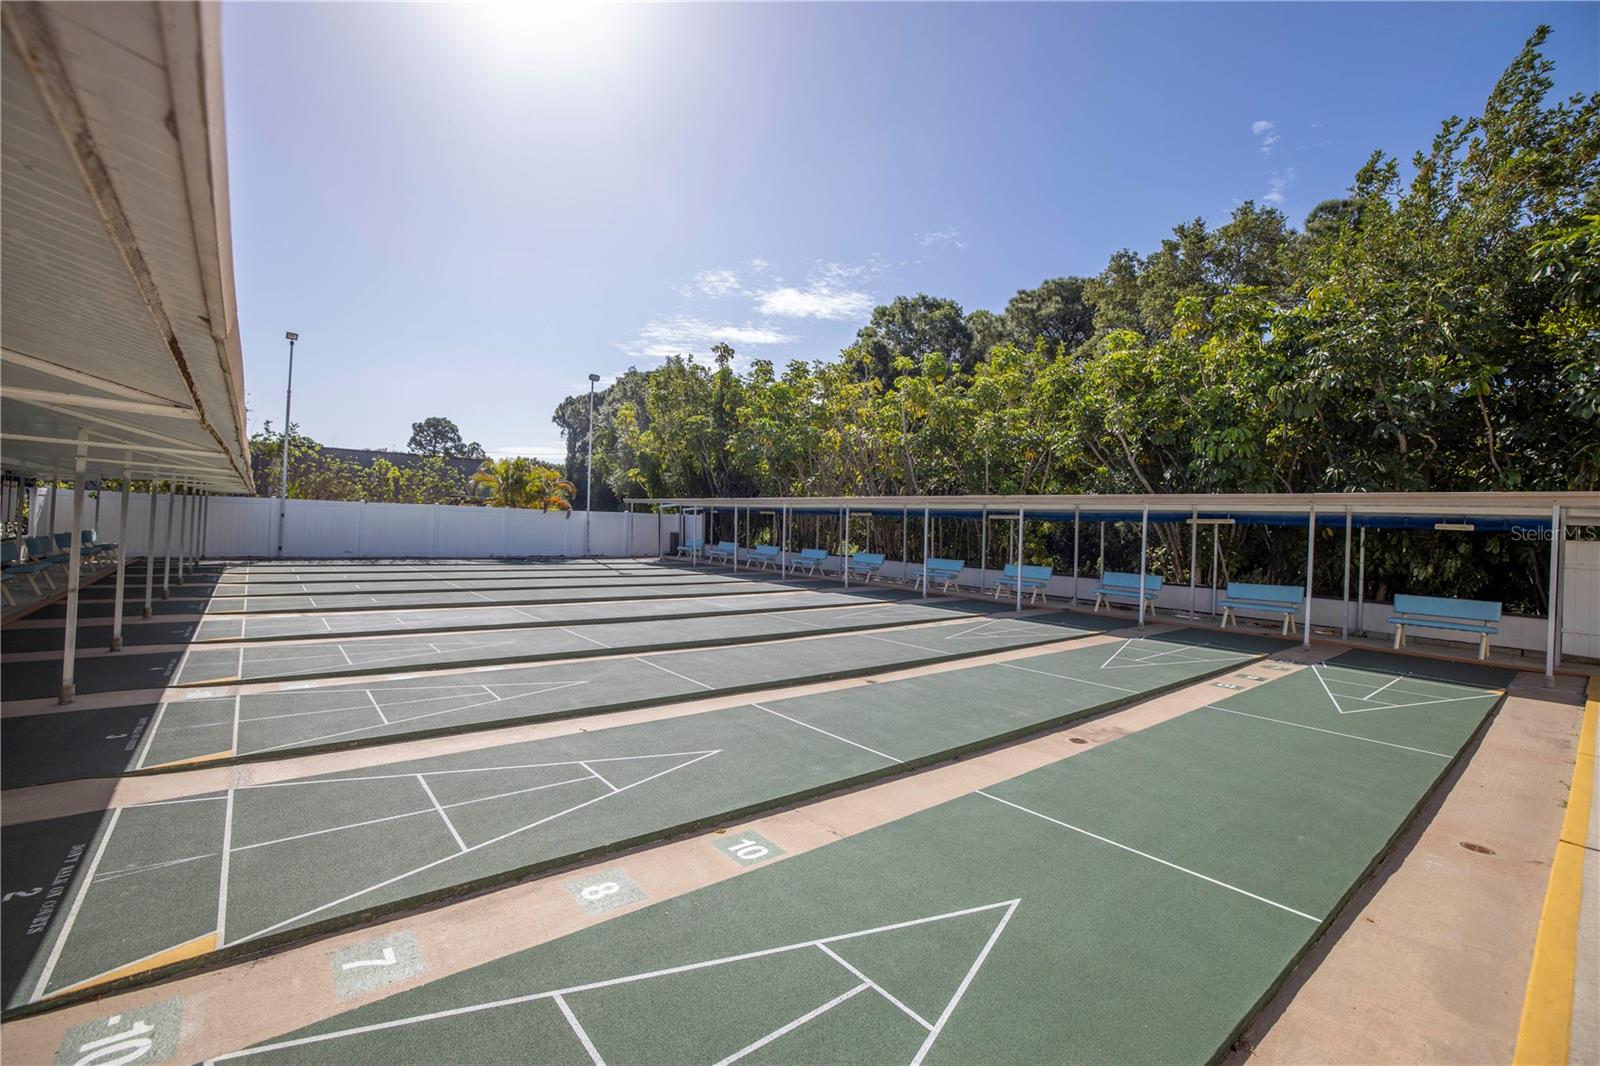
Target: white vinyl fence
[247,527]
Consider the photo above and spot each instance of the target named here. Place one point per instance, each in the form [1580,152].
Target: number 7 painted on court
[387,960]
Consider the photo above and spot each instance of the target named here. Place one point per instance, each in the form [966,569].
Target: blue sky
[465,209]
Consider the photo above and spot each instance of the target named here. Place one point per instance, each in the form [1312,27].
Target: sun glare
[544,37]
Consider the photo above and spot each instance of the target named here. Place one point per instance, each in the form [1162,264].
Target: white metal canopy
[119,336]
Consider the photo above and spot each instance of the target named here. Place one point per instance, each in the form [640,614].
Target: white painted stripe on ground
[578,1031]
[790,1027]
[1330,732]
[674,673]
[1152,858]
[448,824]
[1068,677]
[824,732]
[949,1008]
[77,905]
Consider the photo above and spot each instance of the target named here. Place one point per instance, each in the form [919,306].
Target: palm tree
[522,482]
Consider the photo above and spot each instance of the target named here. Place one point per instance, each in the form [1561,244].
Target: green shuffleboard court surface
[334,658]
[207,724]
[136,670]
[219,603]
[271,591]
[149,882]
[1137,903]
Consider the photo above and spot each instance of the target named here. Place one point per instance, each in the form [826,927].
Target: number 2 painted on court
[596,893]
[9,896]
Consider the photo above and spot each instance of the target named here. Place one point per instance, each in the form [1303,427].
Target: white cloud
[687,334]
[816,300]
[1278,183]
[950,236]
[1266,133]
[713,283]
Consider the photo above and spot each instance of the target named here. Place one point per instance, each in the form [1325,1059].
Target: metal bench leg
[1483,647]
[1400,636]
[6,591]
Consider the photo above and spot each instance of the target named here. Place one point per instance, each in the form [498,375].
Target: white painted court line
[222,874]
[578,1031]
[1068,677]
[77,905]
[1330,732]
[1152,858]
[876,987]
[585,636]
[670,971]
[782,1030]
[448,824]
[949,1008]
[136,870]
[601,776]
[475,847]
[674,673]
[374,701]
[824,732]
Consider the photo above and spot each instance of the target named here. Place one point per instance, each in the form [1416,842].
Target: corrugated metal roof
[118,324]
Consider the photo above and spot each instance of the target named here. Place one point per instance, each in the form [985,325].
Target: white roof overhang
[118,325]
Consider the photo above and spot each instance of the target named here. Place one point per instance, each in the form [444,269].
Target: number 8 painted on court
[596,893]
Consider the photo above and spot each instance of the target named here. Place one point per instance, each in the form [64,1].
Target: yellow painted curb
[189,949]
[1544,1038]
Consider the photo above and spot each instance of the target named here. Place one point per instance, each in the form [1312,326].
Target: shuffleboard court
[336,658]
[266,627]
[448,571]
[269,591]
[205,725]
[209,724]
[162,882]
[442,598]
[40,678]
[1135,904]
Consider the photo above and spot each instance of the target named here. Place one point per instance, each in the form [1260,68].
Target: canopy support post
[1361,586]
[150,551]
[1344,610]
[166,541]
[1144,546]
[1311,558]
[1552,628]
[1194,556]
[122,563]
[69,649]
[983,550]
[925,535]
[905,539]
[1019,559]
[1074,557]
[1216,555]
[844,526]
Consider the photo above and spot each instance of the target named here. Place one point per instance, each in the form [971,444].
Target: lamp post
[588,472]
[288,393]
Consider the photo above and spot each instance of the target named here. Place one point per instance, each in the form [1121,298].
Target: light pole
[288,393]
[588,471]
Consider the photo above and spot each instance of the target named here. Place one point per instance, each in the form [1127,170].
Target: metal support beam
[1552,629]
[1311,559]
[1144,552]
[1344,608]
[69,648]
[122,567]
[1194,552]
[150,552]
[925,535]
[1020,521]
[166,541]
[849,552]
[1074,557]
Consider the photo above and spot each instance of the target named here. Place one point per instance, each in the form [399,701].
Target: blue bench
[764,555]
[1035,579]
[810,558]
[866,564]
[691,547]
[93,545]
[721,552]
[945,571]
[1287,600]
[1116,586]
[36,556]
[1442,612]
[16,565]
